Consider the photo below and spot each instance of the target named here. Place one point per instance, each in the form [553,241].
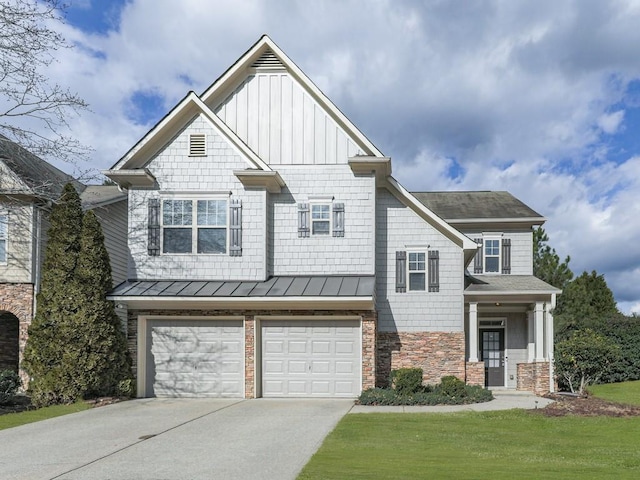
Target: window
[492,256]
[417,271]
[320,219]
[181,234]
[4,233]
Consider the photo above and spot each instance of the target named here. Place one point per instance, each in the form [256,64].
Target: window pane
[212,212]
[320,227]
[416,281]
[416,261]
[320,212]
[176,212]
[212,240]
[3,226]
[176,240]
[491,264]
[492,247]
[3,251]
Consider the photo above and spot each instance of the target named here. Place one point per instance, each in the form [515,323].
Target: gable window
[320,219]
[4,234]
[417,271]
[204,232]
[197,145]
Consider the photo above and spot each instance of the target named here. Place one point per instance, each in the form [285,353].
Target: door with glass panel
[492,353]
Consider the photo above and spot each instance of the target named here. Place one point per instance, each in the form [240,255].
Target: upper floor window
[202,232]
[421,272]
[321,218]
[4,236]
[493,255]
[417,271]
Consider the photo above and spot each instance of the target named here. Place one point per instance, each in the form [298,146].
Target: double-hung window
[190,226]
[4,236]
[492,255]
[417,271]
[320,219]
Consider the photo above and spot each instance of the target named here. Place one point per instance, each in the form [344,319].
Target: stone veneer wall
[17,299]
[534,377]
[475,373]
[438,354]
[368,336]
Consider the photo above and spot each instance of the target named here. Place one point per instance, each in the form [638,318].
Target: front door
[492,352]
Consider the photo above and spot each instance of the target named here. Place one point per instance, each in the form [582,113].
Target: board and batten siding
[352,254]
[113,219]
[283,124]
[400,229]
[20,254]
[178,173]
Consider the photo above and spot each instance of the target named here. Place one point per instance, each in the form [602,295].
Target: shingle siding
[400,228]
[521,248]
[18,268]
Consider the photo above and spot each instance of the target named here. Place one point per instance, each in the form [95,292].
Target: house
[273,254]
[28,188]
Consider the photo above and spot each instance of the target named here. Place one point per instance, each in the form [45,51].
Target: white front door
[311,358]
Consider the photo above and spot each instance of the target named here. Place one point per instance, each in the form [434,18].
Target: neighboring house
[28,188]
[272,254]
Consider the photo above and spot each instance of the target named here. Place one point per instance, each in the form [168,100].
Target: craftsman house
[272,254]
[28,188]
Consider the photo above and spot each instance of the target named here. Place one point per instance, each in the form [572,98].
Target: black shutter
[401,272]
[235,228]
[477,260]
[506,255]
[434,271]
[303,220]
[338,219]
[153,221]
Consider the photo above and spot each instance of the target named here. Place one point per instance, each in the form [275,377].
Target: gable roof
[39,178]
[455,207]
[267,54]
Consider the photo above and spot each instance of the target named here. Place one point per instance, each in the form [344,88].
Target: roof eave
[271,180]
[131,178]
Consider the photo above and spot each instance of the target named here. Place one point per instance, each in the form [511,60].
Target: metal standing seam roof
[307,286]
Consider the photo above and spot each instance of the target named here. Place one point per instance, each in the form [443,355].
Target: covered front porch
[509,332]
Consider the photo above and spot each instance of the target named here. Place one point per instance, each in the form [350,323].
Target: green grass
[625,392]
[11,420]
[497,445]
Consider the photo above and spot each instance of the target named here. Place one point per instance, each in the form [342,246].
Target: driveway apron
[159,439]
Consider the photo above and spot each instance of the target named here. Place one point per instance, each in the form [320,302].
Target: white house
[272,254]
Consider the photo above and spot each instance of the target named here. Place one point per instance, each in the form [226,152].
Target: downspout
[37,227]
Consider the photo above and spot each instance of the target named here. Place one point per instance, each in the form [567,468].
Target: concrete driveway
[173,439]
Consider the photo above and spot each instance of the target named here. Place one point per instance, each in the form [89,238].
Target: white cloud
[518,96]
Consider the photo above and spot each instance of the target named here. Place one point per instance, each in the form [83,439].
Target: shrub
[429,396]
[9,385]
[451,386]
[406,380]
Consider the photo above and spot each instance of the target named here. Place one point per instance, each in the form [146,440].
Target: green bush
[9,385]
[451,386]
[406,380]
[428,396]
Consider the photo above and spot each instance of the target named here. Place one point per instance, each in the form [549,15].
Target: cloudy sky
[540,98]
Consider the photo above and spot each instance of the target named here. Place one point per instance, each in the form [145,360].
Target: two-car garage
[205,357]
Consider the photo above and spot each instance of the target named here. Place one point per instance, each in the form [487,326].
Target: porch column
[538,317]
[473,332]
[549,306]
[531,343]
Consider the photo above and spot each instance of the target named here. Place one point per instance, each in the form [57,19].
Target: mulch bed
[22,403]
[586,406]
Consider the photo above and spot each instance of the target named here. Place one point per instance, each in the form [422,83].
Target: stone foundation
[534,377]
[475,373]
[438,354]
[16,300]
[369,320]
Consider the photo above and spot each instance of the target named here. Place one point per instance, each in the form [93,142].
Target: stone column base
[534,377]
[475,373]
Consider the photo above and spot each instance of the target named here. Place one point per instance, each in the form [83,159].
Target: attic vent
[197,145]
[268,60]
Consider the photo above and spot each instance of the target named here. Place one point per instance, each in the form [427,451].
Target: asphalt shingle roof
[510,284]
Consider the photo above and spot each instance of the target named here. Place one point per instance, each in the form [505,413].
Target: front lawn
[505,444]
[10,420]
[626,392]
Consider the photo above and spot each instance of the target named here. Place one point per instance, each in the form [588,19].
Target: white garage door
[195,358]
[311,358]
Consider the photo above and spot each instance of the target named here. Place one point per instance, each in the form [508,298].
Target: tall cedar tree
[57,302]
[101,357]
[546,262]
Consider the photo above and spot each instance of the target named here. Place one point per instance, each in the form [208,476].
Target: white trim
[5,213]
[505,340]
[142,326]
[423,271]
[320,203]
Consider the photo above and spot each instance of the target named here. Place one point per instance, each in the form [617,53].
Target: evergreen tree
[57,302]
[101,357]
[546,262]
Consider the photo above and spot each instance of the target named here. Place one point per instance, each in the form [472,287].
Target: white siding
[398,227]
[18,268]
[176,172]
[352,254]
[521,248]
[283,124]
[113,219]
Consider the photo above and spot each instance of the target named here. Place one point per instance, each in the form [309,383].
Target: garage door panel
[309,358]
[195,358]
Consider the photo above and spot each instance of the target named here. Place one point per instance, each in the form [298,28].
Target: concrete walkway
[503,400]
